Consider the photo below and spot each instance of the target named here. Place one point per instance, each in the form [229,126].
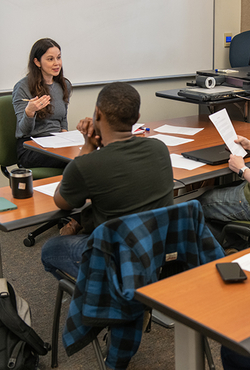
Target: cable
[242,97]
[180,182]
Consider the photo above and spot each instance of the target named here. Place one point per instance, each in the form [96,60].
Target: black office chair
[235,236]
[239,53]
[8,156]
[67,285]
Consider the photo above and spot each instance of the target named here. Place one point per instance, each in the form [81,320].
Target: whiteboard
[107,40]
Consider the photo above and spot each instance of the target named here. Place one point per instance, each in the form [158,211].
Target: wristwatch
[241,172]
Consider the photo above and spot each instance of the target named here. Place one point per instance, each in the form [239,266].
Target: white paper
[170,140]
[226,130]
[60,140]
[75,136]
[48,189]
[168,129]
[244,262]
[178,161]
[136,127]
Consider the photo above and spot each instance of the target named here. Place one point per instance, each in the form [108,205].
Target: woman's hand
[37,104]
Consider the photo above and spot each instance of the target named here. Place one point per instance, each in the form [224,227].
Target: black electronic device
[213,155]
[214,94]
[201,79]
[231,272]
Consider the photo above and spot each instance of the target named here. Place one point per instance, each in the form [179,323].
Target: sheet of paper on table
[137,128]
[74,135]
[170,140]
[60,139]
[48,189]
[226,130]
[244,262]
[178,161]
[168,129]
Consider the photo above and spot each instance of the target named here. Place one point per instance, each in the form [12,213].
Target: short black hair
[120,103]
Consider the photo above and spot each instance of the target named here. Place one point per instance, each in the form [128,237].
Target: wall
[227,19]
[245,15]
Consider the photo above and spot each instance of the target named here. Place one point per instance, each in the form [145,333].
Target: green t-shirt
[121,178]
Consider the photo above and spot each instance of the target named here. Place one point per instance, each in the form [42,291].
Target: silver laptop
[217,93]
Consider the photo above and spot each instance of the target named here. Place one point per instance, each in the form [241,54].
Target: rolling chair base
[30,240]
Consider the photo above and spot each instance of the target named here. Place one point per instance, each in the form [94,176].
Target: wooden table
[200,300]
[30,211]
[205,138]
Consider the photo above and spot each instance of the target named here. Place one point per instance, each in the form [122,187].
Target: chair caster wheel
[29,242]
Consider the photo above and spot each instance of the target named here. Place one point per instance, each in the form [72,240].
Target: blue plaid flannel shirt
[122,255]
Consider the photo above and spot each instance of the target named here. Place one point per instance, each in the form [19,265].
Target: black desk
[240,73]
[173,95]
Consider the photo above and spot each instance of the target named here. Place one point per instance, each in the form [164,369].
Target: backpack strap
[10,318]
[4,291]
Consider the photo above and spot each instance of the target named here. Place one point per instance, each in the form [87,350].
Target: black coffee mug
[21,183]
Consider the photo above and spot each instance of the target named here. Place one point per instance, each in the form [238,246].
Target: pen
[221,70]
[25,99]
[226,70]
[142,129]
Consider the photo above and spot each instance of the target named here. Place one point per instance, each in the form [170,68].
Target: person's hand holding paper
[226,130]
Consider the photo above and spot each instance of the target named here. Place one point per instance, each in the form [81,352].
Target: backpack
[20,345]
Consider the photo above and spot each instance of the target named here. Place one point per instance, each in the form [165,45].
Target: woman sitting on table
[40,102]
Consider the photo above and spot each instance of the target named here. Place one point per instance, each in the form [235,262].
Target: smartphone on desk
[231,272]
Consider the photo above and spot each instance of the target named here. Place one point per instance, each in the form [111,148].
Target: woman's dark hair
[37,85]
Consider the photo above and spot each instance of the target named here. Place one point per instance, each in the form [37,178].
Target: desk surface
[30,211]
[239,73]
[200,299]
[205,138]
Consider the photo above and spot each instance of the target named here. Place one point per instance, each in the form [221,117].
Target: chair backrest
[8,155]
[239,53]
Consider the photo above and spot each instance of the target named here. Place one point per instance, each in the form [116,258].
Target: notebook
[217,93]
[214,155]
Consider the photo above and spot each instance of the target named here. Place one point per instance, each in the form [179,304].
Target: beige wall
[228,18]
[245,15]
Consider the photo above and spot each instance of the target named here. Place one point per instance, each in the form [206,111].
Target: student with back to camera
[40,101]
[126,175]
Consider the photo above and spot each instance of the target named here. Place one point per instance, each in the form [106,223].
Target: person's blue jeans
[234,361]
[64,253]
[226,204]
